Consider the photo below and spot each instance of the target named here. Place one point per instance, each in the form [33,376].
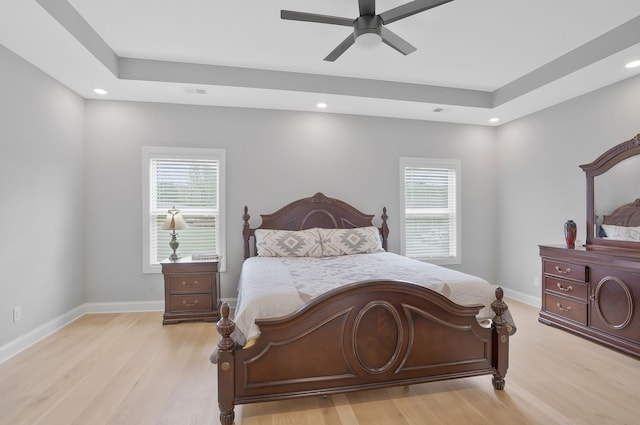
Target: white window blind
[430,190]
[190,181]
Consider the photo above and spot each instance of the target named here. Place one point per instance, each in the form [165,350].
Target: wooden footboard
[361,336]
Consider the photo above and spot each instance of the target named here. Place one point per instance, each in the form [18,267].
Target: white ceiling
[475,59]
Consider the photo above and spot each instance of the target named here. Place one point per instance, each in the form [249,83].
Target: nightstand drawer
[191,283]
[566,270]
[566,287]
[195,302]
[567,308]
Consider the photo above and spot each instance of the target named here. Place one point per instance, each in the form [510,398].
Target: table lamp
[173,222]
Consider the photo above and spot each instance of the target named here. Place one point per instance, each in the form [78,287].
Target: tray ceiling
[475,59]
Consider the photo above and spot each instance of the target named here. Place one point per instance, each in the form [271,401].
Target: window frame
[160,152]
[451,164]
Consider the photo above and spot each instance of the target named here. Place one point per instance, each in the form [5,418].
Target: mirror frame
[600,166]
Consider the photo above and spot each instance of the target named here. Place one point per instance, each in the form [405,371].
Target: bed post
[226,374]
[384,229]
[246,232]
[500,341]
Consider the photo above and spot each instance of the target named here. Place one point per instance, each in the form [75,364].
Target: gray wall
[71,182]
[540,182]
[273,157]
[42,197]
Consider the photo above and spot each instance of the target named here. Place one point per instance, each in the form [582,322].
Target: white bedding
[275,286]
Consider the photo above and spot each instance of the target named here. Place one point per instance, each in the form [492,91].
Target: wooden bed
[365,335]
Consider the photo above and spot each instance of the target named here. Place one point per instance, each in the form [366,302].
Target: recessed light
[633,64]
[190,90]
[321,105]
[494,119]
[100,91]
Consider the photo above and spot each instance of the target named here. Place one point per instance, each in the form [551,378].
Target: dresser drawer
[566,270]
[569,288]
[191,283]
[567,308]
[195,302]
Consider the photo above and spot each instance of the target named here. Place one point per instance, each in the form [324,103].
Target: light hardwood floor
[128,369]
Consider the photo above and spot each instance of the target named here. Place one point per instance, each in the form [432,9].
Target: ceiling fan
[368,22]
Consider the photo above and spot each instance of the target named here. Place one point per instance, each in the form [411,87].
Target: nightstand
[191,290]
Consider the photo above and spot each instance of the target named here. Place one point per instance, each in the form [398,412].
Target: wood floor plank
[123,369]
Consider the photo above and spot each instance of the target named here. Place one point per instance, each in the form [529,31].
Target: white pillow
[359,240]
[288,243]
[622,233]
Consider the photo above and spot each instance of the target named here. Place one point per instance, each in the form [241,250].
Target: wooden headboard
[307,213]
[625,215]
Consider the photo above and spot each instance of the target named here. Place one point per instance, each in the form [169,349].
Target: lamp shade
[174,221]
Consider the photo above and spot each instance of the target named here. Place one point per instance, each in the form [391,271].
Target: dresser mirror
[613,197]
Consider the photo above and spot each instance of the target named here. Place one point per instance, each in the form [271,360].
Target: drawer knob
[562,288]
[566,309]
[188,304]
[189,283]
[563,271]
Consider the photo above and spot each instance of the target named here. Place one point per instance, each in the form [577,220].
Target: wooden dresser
[191,290]
[593,291]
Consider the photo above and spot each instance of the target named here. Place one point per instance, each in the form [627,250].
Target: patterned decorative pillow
[288,243]
[359,240]
[622,233]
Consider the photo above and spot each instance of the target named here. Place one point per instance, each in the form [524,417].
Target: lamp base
[174,246]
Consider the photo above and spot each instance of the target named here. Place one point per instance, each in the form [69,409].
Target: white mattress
[271,287]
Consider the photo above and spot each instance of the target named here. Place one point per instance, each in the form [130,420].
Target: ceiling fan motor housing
[367,24]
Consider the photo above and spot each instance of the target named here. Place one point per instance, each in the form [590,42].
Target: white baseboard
[522,297]
[123,307]
[25,341]
[128,307]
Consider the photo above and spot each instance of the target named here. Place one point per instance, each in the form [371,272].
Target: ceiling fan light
[368,40]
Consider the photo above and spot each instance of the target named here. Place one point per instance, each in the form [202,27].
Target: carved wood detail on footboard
[361,336]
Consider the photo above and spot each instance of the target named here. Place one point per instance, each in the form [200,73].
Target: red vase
[570,232]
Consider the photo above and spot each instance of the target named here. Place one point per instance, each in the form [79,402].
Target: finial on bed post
[225,327]
[226,378]
[384,229]
[499,307]
[500,360]
[246,232]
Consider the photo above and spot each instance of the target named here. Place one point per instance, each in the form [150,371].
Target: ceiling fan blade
[313,17]
[342,47]
[367,7]
[391,39]
[409,9]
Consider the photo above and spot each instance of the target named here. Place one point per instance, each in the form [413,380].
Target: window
[192,181]
[430,209]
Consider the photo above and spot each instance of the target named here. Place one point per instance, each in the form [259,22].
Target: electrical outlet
[17,314]
[536,281]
